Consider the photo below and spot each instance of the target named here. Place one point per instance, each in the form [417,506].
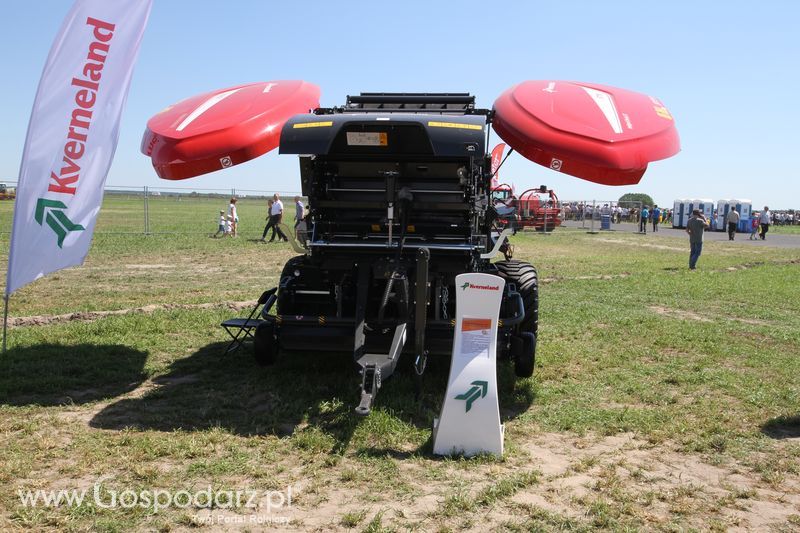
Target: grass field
[663,399]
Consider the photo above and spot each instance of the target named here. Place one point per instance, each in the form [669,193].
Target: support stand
[5,320]
[469,422]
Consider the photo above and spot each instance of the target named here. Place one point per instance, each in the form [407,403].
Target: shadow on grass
[782,427]
[56,374]
[301,393]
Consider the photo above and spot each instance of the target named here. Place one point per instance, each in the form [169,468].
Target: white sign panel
[469,423]
[72,136]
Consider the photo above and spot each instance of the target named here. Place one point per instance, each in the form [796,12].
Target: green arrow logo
[465,285]
[478,390]
[52,212]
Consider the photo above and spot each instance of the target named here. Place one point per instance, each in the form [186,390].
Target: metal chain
[445,296]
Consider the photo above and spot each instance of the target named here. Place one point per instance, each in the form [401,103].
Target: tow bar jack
[375,367]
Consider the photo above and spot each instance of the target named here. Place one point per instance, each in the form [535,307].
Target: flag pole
[5,320]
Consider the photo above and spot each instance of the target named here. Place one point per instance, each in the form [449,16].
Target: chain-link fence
[602,215]
[170,210]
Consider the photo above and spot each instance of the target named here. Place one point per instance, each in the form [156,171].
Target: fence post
[594,211]
[146,212]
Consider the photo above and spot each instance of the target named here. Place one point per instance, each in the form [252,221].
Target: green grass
[697,367]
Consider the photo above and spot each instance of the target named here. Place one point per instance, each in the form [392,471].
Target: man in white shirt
[276,212]
[732,219]
[765,219]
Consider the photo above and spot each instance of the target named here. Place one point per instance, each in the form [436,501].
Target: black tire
[265,345]
[525,358]
[524,276]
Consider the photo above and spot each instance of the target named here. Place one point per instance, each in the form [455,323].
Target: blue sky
[727,71]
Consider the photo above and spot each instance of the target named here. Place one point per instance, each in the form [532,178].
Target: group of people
[275,217]
[643,216]
[229,222]
[654,216]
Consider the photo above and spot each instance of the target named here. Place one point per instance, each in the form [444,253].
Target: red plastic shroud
[223,128]
[594,132]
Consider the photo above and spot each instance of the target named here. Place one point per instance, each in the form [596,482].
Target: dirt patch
[591,277]
[645,484]
[88,316]
[149,267]
[679,314]
[645,245]
[682,314]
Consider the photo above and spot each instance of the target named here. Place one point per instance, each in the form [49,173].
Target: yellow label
[376,227]
[662,112]
[433,124]
[411,229]
[312,124]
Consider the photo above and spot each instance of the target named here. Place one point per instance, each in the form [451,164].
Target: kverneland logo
[65,180]
[469,285]
[52,212]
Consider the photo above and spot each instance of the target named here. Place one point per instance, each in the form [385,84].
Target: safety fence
[594,215]
[169,210]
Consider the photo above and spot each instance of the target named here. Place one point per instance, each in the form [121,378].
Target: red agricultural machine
[536,208]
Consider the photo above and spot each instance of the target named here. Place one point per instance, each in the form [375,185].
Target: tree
[645,199]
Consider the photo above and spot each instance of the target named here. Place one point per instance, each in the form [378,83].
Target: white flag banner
[72,136]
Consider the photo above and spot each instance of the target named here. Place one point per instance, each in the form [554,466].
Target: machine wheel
[523,275]
[265,345]
[525,356]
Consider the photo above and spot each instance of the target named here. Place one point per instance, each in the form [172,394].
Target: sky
[727,71]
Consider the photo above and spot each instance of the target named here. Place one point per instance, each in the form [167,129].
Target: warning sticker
[324,124]
[475,324]
[458,125]
[365,138]
[475,337]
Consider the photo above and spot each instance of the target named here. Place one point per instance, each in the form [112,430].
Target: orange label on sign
[476,324]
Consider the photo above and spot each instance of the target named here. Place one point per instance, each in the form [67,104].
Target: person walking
[656,216]
[643,216]
[269,221]
[234,215]
[733,221]
[299,215]
[276,214]
[765,220]
[754,226]
[221,225]
[696,228]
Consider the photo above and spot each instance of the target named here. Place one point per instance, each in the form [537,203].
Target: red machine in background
[536,208]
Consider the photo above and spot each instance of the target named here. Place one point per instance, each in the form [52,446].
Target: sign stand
[469,422]
[5,320]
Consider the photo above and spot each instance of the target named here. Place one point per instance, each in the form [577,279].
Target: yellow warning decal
[662,112]
[312,124]
[458,125]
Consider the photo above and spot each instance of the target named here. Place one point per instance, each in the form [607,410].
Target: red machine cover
[223,128]
[595,132]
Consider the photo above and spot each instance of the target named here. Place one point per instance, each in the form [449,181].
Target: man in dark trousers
[765,219]
[276,215]
[696,228]
[643,216]
[733,221]
[655,215]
